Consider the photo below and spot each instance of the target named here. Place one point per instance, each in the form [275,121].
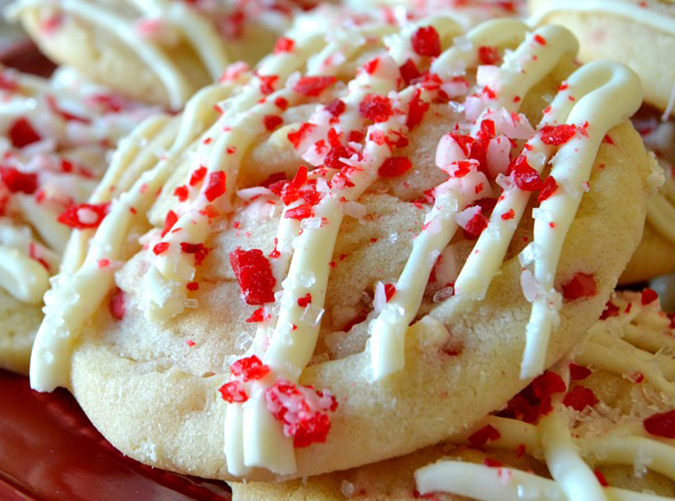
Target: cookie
[346,192]
[161,51]
[55,139]
[640,34]
[655,255]
[616,416]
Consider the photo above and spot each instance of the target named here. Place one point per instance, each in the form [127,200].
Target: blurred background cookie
[56,137]
[160,51]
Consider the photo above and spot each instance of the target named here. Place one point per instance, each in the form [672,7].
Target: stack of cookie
[381,259]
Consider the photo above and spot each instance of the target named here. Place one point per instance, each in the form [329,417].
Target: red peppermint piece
[256,317]
[557,134]
[271,122]
[198,175]
[375,108]
[601,478]
[17,181]
[525,177]
[547,384]
[267,83]
[333,159]
[216,186]
[22,133]
[249,369]
[476,225]
[199,250]
[488,55]
[254,274]
[169,221]
[426,42]
[305,300]
[302,410]
[661,425]
[389,291]
[611,310]
[483,436]
[508,215]
[233,392]
[416,111]
[539,39]
[579,372]
[535,400]
[299,213]
[296,137]
[83,216]
[313,86]
[394,166]
[283,44]
[492,463]
[549,188]
[579,398]
[181,193]
[117,306]
[648,296]
[580,286]
[336,107]
[371,66]
[160,247]
[409,72]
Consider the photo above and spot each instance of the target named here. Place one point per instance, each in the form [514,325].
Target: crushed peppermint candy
[254,274]
[302,410]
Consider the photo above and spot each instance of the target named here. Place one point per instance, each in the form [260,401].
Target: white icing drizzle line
[199,32]
[626,443]
[89,283]
[564,463]
[661,209]
[502,484]
[630,9]
[607,93]
[290,350]
[516,78]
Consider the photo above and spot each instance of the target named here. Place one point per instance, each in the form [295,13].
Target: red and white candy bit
[302,410]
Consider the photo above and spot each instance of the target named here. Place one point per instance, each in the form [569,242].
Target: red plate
[49,451]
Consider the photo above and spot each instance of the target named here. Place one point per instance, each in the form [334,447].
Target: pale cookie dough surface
[655,256]
[620,402]
[155,397]
[638,34]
